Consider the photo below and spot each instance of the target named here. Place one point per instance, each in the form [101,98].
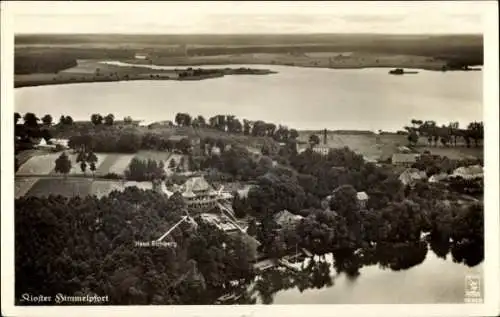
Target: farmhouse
[62,142]
[42,144]
[411,175]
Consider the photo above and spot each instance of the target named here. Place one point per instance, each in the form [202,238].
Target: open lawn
[60,186]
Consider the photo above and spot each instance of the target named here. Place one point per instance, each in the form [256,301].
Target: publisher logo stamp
[473,289]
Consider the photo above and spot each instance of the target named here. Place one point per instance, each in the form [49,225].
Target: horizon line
[260,34]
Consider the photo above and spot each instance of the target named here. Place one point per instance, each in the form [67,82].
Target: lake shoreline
[97,71]
[332,61]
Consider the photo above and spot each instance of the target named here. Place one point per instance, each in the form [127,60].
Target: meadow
[382,147]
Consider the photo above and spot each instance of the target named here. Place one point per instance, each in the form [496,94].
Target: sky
[246,17]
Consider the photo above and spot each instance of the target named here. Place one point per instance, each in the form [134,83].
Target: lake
[302,98]
[411,274]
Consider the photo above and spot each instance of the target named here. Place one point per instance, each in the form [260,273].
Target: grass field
[60,186]
[382,147]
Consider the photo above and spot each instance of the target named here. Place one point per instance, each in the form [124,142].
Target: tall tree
[47,119]
[96,119]
[109,119]
[313,140]
[201,121]
[31,120]
[127,120]
[63,164]
[294,134]
[92,160]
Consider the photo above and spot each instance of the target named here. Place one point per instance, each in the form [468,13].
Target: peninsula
[96,71]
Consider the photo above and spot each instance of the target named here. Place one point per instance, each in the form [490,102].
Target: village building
[323,150]
[404,159]
[199,195]
[286,219]
[470,172]
[222,222]
[412,175]
[436,178]
[64,143]
[42,144]
[141,56]
[362,198]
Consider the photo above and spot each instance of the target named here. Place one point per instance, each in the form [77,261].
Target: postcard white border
[491,305]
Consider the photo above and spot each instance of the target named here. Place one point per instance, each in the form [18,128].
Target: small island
[401,71]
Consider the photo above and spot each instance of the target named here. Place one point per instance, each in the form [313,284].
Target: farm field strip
[61,186]
[119,165]
[103,188]
[39,165]
[154,155]
[23,185]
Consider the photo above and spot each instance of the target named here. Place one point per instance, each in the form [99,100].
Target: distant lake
[302,98]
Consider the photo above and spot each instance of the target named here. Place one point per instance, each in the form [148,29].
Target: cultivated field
[107,163]
[115,163]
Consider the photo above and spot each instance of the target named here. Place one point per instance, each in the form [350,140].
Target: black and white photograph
[249,155]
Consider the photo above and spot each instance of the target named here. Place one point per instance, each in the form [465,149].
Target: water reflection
[320,272]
